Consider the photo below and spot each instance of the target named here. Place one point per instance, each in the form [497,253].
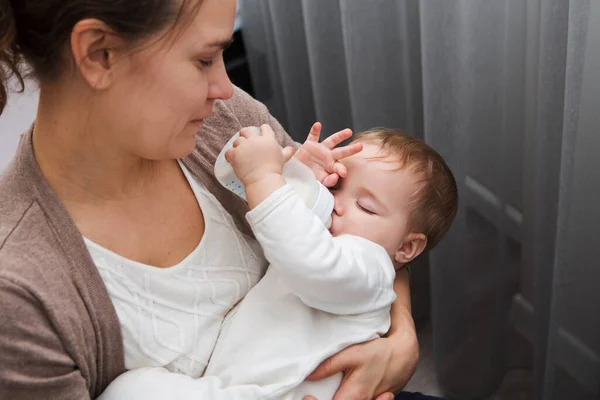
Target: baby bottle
[299,176]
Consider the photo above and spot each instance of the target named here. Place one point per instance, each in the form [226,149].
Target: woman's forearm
[401,310]
[402,333]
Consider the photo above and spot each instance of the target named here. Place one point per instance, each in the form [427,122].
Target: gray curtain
[508,91]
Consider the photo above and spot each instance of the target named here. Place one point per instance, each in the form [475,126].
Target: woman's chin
[183,147]
[178,147]
[187,141]
[197,123]
[186,149]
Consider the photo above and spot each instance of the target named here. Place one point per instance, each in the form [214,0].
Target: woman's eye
[366,210]
[206,63]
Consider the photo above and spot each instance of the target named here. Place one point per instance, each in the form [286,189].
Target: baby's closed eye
[365,207]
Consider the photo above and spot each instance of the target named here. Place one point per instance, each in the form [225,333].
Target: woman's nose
[220,86]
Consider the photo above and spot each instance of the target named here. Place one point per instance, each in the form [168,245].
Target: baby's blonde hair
[435,203]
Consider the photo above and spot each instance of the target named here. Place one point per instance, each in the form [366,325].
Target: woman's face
[162,93]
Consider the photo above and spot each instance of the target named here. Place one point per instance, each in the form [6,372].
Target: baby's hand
[324,157]
[256,155]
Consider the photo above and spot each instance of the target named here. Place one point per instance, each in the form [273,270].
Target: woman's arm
[35,363]
[403,336]
[378,368]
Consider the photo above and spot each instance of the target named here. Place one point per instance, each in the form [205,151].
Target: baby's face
[373,201]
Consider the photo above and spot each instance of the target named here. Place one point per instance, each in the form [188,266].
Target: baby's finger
[266,130]
[316,150]
[337,138]
[229,154]
[346,151]
[288,153]
[249,131]
[237,142]
[340,169]
[315,132]
[330,180]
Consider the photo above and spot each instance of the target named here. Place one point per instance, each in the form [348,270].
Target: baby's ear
[414,244]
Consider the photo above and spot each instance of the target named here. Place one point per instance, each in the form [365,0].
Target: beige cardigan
[59,334]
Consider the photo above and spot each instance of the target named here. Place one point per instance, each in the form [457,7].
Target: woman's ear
[93,46]
[413,245]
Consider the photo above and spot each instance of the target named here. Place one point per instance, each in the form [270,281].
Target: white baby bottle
[316,196]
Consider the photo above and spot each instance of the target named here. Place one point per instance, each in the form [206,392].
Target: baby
[328,289]
[324,289]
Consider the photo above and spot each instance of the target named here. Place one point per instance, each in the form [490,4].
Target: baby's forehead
[378,171]
[377,159]
[375,150]
[374,154]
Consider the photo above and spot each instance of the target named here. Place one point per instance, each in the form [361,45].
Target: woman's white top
[172,317]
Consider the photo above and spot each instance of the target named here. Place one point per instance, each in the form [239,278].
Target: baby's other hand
[323,157]
[255,155]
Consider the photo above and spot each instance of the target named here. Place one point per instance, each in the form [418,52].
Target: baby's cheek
[370,232]
[380,235]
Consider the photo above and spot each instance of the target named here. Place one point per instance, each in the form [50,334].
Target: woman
[96,211]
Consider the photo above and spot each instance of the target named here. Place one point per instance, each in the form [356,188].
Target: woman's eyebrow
[221,44]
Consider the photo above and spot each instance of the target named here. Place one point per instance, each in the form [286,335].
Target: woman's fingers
[386,396]
[341,362]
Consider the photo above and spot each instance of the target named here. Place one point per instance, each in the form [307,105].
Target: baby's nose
[338,209]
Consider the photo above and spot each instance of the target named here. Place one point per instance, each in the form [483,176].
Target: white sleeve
[341,275]
[160,384]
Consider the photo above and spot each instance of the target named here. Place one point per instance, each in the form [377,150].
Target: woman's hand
[376,369]
[323,158]
[372,370]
